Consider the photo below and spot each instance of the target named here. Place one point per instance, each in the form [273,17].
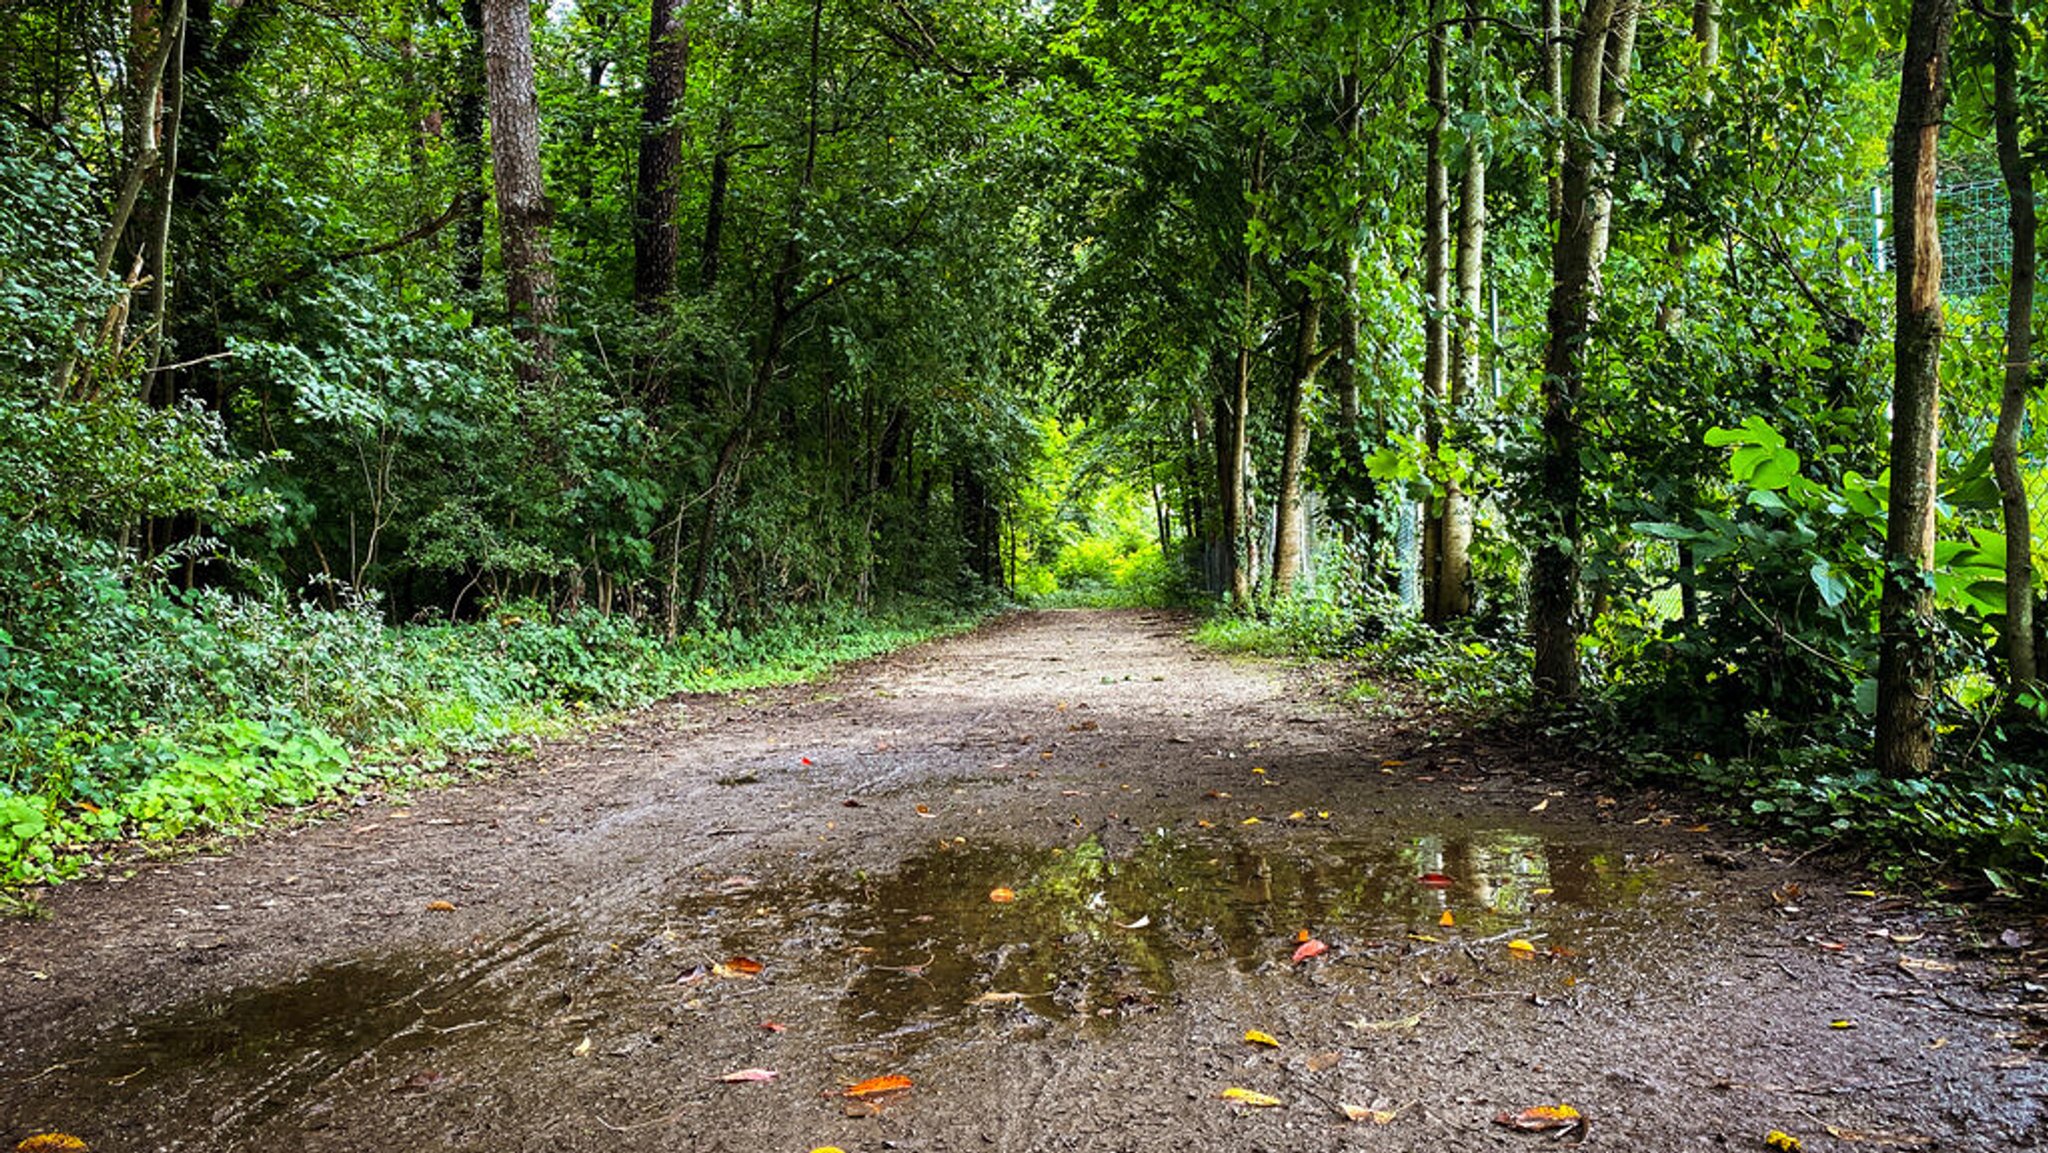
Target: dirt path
[311,991]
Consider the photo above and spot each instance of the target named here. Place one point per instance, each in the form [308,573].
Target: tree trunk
[146,156]
[1906,656]
[1236,497]
[656,237]
[1553,85]
[1290,519]
[2017,629]
[1600,57]
[1436,307]
[468,132]
[714,205]
[1454,570]
[166,201]
[523,211]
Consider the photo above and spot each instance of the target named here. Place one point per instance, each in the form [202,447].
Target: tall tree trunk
[1454,570]
[1553,85]
[1229,491]
[714,204]
[1436,307]
[146,157]
[468,132]
[781,310]
[1600,59]
[1236,496]
[1906,657]
[159,269]
[1290,519]
[656,237]
[2017,630]
[523,211]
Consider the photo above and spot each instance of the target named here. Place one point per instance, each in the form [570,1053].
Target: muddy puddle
[1080,933]
[1064,941]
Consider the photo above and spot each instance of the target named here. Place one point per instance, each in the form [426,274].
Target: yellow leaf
[1297,815]
[1782,1141]
[1843,1023]
[1255,1037]
[1250,821]
[1540,805]
[1425,938]
[1518,945]
[1248,1097]
[1447,920]
[52,1143]
[828,1149]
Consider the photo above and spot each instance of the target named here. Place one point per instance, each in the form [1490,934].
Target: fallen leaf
[1447,920]
[1003,998]
[1254,1037]
[1002,896]
[742,1075]
[1360,1113]
[1309,948]
[1409,1022]
[1205,824]
[737,969]
[52,1143]
[1830,946]
[1923,965]
[1425,938]
[1248,1097]
[775,1026]
[805,760]
[1842,1023]
[1322,1062]
[1302,934]
[828,1149]
[1541,1118]
[875,1086]
[1140,923]
[1540,805]
[582,1048]
[1249,821]
[1434,881]
[1297,815]
[925,811]
[1518,945]
[440,907]
[1392,764]
[1783,1141]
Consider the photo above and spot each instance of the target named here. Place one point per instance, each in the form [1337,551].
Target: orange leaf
[1301,936]
[1540,1118]
[1309,948]
[1002,896]
[440,907]
[749,1075]
[746,965]
[1447,920]
[874,1086]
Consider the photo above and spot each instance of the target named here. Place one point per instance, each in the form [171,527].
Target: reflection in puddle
[914,947]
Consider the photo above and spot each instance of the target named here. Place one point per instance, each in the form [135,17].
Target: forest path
[540,960]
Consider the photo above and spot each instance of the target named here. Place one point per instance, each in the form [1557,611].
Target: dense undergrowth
[1981,817]
[156,712]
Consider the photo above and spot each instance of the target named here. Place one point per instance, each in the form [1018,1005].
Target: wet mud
[1053,874]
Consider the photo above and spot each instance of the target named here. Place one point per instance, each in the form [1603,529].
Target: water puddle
[957,937]
[1077,932]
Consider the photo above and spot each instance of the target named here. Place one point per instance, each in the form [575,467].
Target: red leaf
[1434,881]
[1309,949]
